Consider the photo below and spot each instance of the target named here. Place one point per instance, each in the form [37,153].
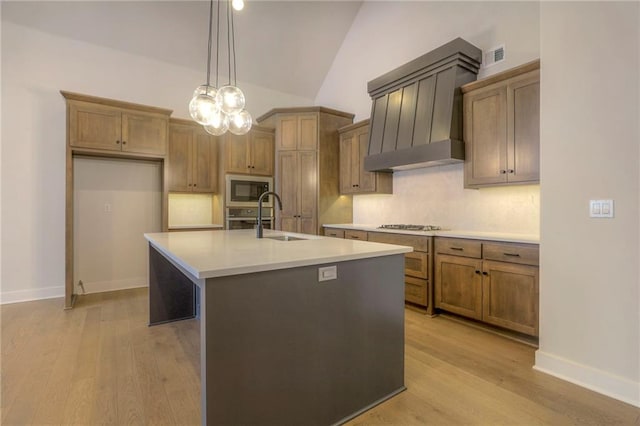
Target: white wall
[400,32]
[590,283]
[115,203]
[35,67]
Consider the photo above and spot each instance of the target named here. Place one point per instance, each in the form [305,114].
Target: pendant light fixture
[219,110]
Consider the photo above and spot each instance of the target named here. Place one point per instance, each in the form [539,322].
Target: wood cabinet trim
[114,103]
[297,110]
[505,75]
[418,243]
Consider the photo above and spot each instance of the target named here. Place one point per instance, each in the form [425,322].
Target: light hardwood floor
[100,364]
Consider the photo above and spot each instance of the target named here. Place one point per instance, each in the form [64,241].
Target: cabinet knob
[511,170]
[118,142]
[124,142]
[194,184]
[477,272]
[485,273]
[189,184]
[502,172]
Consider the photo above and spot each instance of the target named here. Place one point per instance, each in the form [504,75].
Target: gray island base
[281,347]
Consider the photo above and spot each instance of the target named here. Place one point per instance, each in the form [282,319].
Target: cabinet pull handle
[477,272]
[502,172]
[485,273]
[353,237]
[457,248]
[511,254]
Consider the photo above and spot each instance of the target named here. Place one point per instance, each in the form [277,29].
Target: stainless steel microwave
[244,190]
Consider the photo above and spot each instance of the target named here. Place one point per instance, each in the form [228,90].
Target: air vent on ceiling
[494,56]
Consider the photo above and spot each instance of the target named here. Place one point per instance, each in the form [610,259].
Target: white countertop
[475,235]
[207,254]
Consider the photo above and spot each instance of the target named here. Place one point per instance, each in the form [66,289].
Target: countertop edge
[472,235]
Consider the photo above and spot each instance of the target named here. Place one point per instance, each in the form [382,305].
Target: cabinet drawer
[355,235]
[335,233]
[415,291]
[416,264]
[513,253]
[459,247]
[417,242]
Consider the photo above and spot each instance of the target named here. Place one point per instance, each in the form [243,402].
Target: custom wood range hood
[416,115]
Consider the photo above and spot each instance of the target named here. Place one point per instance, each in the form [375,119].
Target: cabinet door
[144,133]
[95,126]
[179,167]
[510,296]
[458,285]
[287,132]
[523,138]
[261,153]
[307,131]
[485,129]
[204,162]
[288,224]
[237,153]
[287,186]
[346,163]
[307,190]
[366,180]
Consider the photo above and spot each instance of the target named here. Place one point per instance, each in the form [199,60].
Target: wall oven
[244,191]
[247,218]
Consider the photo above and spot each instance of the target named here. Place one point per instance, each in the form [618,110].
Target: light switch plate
[601,208]
[328,273]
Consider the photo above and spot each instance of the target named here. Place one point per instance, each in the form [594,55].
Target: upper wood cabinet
[105,125]
[502,128]
[252,153]
[193,158]
[354,179]
[307,167]
[297,132]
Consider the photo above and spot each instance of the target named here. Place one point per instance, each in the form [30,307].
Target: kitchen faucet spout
[259,227]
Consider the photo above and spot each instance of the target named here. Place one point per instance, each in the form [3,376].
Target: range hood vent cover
[416,114]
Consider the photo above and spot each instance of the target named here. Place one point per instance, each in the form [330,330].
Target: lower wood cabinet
[459,285]
[418,274]
[496,283]
[510,296]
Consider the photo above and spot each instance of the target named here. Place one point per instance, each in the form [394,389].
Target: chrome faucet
[259,227]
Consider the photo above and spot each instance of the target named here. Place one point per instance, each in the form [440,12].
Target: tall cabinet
[307,167]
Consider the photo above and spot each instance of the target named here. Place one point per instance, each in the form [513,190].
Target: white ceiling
[287,46]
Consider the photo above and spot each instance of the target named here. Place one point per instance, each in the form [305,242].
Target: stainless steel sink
[285,238]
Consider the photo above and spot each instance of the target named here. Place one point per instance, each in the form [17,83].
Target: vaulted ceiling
[287,46]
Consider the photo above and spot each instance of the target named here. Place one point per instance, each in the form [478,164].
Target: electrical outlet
[328,273]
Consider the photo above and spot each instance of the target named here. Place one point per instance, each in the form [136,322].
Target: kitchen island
[304,331]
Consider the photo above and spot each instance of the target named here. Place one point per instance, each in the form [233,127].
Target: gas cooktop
[411,227]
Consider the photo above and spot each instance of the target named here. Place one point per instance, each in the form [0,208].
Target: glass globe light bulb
[238,4]
[203,104]
[240,122]
[231,99]
[218,125]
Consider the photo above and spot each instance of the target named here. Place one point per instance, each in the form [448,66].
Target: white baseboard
[102,286]
[31,294]
[588,377]
[28,295]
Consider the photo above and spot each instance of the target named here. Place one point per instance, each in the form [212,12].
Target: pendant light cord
[209,46]
[217,41]
[229,38]
[233,45]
